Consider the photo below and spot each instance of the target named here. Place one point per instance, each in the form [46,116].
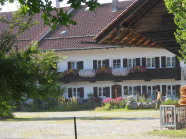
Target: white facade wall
[87,56]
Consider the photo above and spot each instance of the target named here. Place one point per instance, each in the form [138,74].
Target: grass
[101,109]
[169,133]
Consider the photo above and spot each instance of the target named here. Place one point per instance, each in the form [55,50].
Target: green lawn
[171,133]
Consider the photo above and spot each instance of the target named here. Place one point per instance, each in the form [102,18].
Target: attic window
[87,9]
[63,32]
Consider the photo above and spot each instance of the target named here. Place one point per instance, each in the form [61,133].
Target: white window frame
[150,62]
[117,64]
[170,62]
[130,90]
[100,63]
[101,90]
[131,63]
[75,93]
[73,64]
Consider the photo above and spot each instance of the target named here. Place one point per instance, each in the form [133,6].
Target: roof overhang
[124,30]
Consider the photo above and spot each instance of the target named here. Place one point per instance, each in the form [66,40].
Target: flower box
[87,73]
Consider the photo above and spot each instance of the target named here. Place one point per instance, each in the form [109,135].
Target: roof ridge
[69,37]
[128,8]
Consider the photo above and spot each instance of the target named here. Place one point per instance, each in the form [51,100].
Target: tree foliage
[51,15]
[178,9]
[25,74]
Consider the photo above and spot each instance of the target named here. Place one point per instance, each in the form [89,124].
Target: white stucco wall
[115,53]
[112,53]
[88,87]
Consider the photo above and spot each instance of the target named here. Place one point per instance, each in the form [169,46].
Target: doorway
[116,91]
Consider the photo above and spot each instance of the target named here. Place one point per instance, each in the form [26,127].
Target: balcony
[150,74]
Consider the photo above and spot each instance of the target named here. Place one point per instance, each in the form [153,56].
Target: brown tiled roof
[34,33]
[88,24]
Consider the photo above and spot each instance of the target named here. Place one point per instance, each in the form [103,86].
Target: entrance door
[116,91]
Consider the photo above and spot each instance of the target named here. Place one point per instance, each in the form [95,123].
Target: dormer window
[63,32]
[87,9]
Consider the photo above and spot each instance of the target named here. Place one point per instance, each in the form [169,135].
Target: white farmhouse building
[102,66]
[120,49]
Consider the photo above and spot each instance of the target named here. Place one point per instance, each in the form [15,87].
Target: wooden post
[75,130]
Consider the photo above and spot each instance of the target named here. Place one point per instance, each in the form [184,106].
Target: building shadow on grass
[83,118]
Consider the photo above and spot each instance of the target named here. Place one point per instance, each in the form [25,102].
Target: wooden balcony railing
[161,73]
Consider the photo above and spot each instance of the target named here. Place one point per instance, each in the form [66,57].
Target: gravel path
[90,125]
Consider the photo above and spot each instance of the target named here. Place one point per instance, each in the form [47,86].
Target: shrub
[169,101]
[94,101]
[142,99]
[131,98]
[5,110]
[116,103]
[68,105]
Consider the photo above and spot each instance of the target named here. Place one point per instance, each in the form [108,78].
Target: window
[131,63]
[101,91]
[169,90]
[130,90]
[101,63]
[76,92]
[149,90]
[174,90]
[63,32]
[171,61]
[117,63]
[151,62]
[135,90]
[74,65]
[125,90]
[154,91]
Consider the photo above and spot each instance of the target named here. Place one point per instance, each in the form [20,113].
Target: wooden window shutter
[107,63]
[80,65]
[177,62]
[107,91]
[69,65]
[157,62]
[163,62]
[125,63]
[69,92]
[126,90]
[178,91]
[94,64]
[144,91]
[137,61]
[81,91]
[95,92]
[139,89]
[164,90]
[144,61]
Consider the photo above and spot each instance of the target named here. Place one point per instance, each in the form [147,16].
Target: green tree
[178,9]
[25,74]
[51,15]
[30,73]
